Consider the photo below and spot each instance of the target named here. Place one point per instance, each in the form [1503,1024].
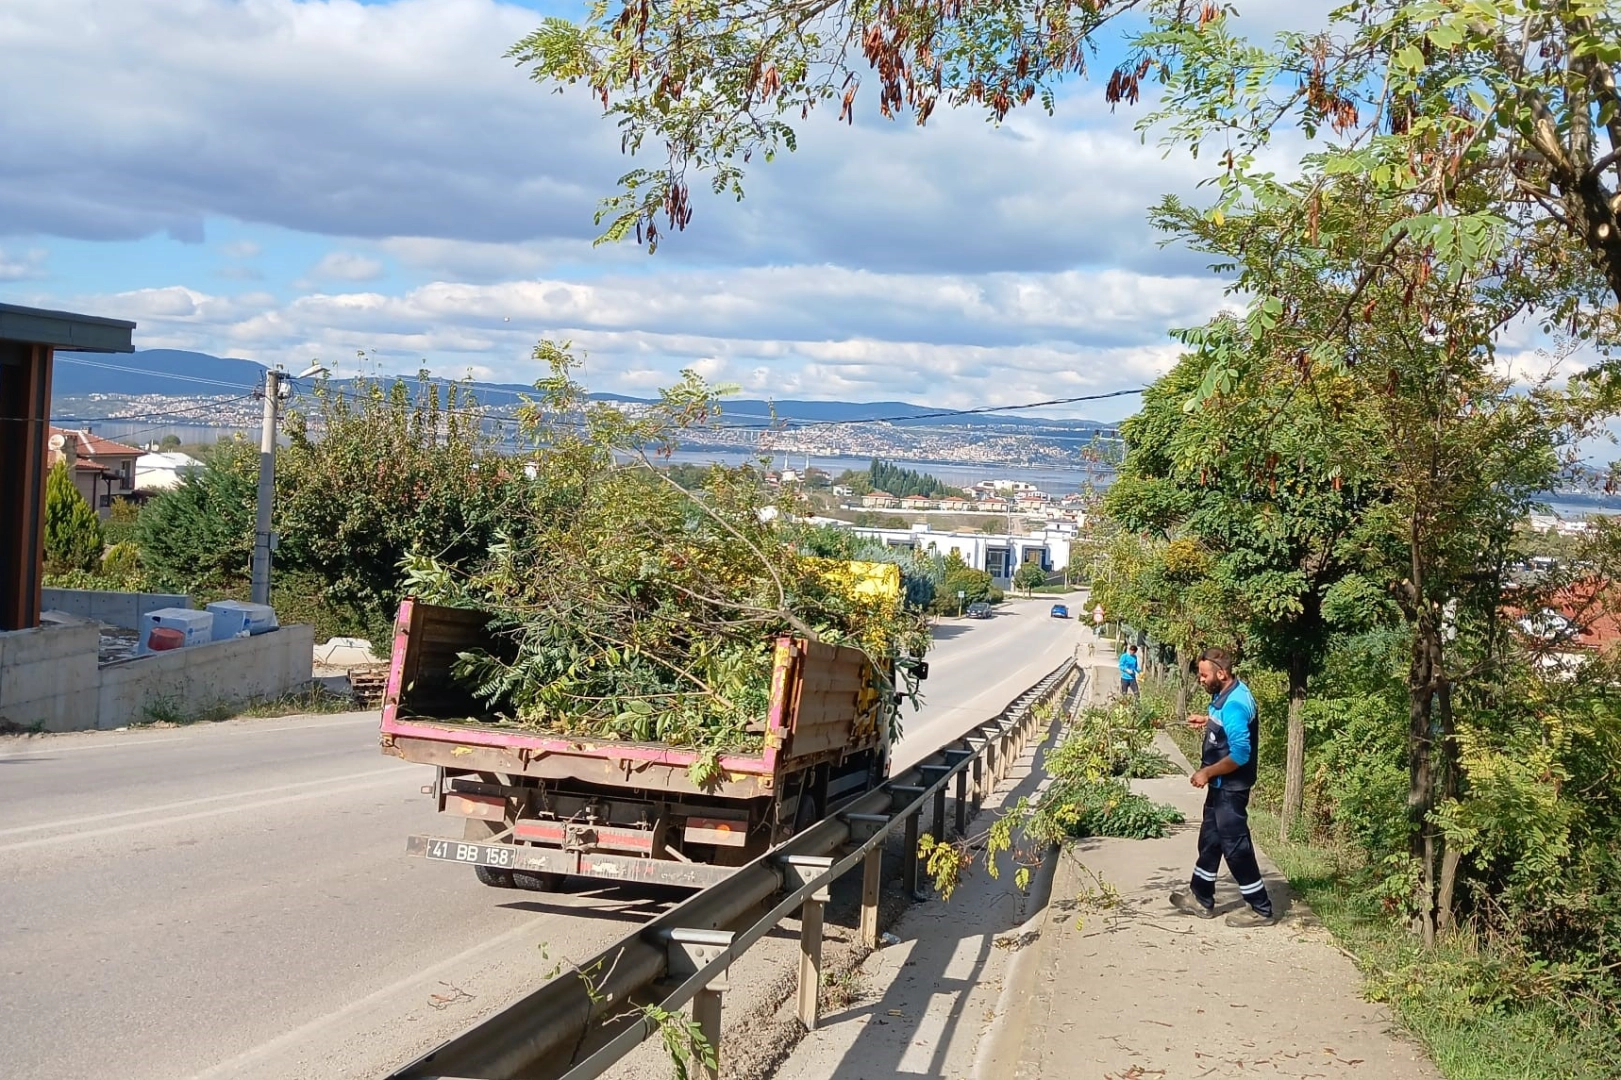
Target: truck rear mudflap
[544,860]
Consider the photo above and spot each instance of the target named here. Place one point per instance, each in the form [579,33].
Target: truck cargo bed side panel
[836,702]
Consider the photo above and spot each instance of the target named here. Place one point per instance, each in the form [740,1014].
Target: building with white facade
[1000,555]
[160,472]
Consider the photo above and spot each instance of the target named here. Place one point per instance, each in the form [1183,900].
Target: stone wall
[114,608]
[49,678]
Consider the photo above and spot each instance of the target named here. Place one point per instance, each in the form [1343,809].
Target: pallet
[367,685]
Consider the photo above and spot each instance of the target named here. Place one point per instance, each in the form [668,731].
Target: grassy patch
[1055,590]
[1433,994]
[1451,999]
[170,712]
[313,699]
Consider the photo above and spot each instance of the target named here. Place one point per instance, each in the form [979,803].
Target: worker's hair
[1131,648]
[1219,658]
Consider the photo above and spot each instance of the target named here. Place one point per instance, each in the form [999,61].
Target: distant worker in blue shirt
[1226,772]
[1129,667]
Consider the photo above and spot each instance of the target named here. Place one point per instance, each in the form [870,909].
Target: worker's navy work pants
[1226,834]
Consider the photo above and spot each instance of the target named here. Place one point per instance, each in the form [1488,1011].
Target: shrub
[199,535]
[73,538]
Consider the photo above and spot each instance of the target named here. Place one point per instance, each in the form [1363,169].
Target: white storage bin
[196,626]
[233,618]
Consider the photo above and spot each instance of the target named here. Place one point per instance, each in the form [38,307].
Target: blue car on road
[1060,611]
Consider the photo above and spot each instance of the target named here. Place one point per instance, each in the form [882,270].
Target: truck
[535,808]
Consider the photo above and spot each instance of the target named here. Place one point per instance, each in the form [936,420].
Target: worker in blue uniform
[1227,773]
[1130,668]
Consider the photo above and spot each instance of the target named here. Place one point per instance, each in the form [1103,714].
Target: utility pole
[263,539]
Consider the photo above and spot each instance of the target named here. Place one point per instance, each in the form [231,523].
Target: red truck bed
[607,807]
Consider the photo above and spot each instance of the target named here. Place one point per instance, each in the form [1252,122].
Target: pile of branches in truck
[625,606]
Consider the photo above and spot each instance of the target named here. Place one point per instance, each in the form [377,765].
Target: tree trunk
[1294,769]
[1181,714]
[1449,881]
[1421,689]
[1447,789]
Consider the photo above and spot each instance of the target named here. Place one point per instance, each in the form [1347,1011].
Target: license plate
[476,854]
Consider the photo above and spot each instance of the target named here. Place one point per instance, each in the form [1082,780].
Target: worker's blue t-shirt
[1232,731]
[1128,667]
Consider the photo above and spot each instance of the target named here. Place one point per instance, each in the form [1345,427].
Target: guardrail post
[706,1009]
[801,870]
[962,804]
[979,782]
[935,774]
[909,866]
[690,951]
[872,879]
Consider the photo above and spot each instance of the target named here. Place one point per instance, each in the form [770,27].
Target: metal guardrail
[688,942]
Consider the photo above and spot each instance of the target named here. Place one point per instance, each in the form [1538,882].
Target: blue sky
[294,179]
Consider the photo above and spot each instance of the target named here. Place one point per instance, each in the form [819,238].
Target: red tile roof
[1589,609]
[94,446]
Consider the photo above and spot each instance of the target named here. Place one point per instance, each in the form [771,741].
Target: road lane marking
[139,743]
[98,746]
[259,1054]
[351,782]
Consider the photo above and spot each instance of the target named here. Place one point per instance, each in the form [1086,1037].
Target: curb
[1003,1044]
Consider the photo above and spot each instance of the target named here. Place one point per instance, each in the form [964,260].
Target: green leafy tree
[1464,451]
[379,472]
[974,586]
[198,536]
[169,442]
[1284,545]
[1029,576]
[120,524]
[887,476]
[73,539]
[1515,98]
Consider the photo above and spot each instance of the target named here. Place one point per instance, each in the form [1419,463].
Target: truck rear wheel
[807,813]
[536,880]
[494,877]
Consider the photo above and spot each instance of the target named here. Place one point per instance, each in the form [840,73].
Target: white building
[1000,555]
[160,472]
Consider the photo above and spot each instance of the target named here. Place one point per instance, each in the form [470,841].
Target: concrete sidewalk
[1130,988]
[992,985]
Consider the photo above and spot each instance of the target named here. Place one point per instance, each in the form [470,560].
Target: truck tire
[807,813]
[494,877]
[537,881]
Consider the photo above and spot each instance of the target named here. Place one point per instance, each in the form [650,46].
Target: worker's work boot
[1249,918]
[1188,904]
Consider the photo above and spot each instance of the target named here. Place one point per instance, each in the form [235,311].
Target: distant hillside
[160,371]
[177,373]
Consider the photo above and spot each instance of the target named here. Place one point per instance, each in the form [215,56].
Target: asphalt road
[234,900]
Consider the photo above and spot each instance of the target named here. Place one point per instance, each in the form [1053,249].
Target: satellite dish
[56,442]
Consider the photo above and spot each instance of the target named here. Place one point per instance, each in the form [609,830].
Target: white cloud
[957,264]
[345,266]
[401,120]
[22,265]
[805,331]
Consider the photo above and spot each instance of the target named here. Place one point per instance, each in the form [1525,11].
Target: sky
[298,180]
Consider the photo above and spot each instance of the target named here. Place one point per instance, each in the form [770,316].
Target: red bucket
[164,638]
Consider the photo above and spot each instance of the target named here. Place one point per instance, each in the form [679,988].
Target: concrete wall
[114,608]
[186,682]
[49,677]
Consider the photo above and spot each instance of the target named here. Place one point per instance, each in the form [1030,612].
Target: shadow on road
[929,1033]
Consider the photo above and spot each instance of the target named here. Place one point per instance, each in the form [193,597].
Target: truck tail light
[716,831]
[483,807]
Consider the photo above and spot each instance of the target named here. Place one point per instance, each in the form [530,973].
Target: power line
[154,374]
